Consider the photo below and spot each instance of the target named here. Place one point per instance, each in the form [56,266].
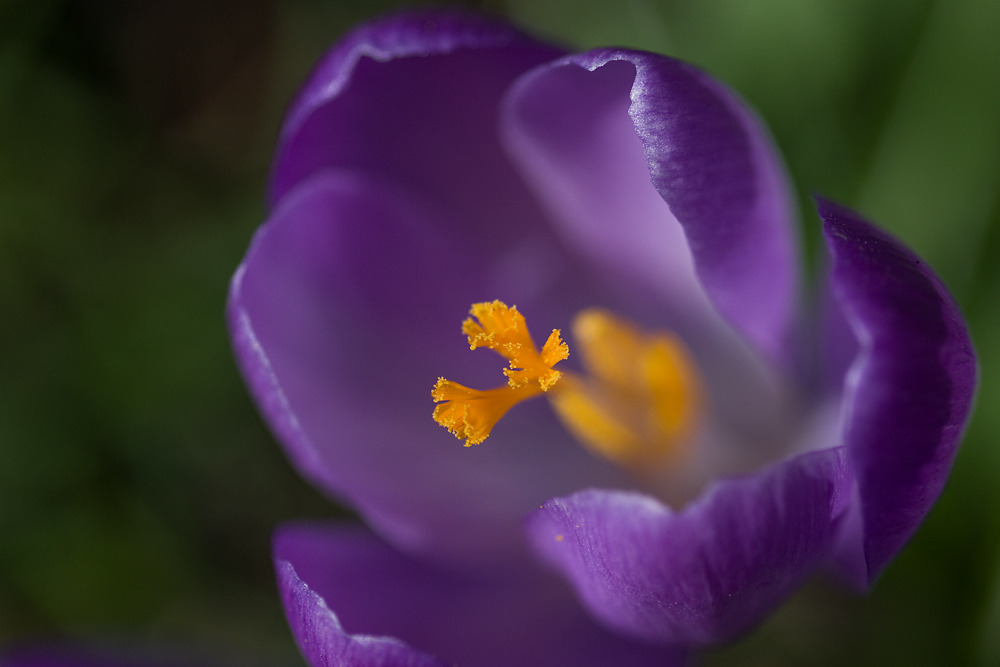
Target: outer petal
[707,156]
[524,619]
[910,391]
[323,641]
[343,315]
[704,574]
[413,98]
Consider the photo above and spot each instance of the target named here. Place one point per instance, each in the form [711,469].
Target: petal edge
[909,393]
[322,640]
[704,574]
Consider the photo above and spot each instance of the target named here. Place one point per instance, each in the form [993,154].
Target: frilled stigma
[471,413]
[637,405]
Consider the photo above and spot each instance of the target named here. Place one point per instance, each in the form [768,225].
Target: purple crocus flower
[436,160]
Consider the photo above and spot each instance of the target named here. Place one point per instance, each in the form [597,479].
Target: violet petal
[413,98]
[523,618]
[342,319]
[909,392]
[707,155]
[575,132]
[704,574]
[324,643]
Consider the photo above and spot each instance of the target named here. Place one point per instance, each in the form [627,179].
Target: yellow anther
[642,400]
[472,413]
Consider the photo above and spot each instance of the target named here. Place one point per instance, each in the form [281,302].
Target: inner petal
[574,132]
[570,132]
[341,355]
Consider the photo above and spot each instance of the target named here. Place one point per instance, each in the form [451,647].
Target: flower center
[637,405]
[640,400]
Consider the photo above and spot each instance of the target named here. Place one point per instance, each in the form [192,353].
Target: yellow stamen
[472,413]
[642,400]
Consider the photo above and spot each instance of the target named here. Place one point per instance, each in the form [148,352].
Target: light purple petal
[522,618]
[704,574]
[607,137]
[910,391]
[413,98]
[343,315]
[837,343]
[570,131]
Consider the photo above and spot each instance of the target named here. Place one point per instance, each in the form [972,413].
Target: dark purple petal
[413,98]
[608,136]
[324,643]
[521,618]
[704,574]
[343,315]
[910,391]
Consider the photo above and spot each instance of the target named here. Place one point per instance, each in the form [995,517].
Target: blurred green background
[138,488]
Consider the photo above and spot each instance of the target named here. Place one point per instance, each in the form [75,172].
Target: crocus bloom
[698,459]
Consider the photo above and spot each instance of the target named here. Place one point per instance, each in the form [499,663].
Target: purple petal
[608,136]
[571,133]
[910,391]
[837,342]
[704,574]
[413,98]
[344,313]
[324,643]
[516,618]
